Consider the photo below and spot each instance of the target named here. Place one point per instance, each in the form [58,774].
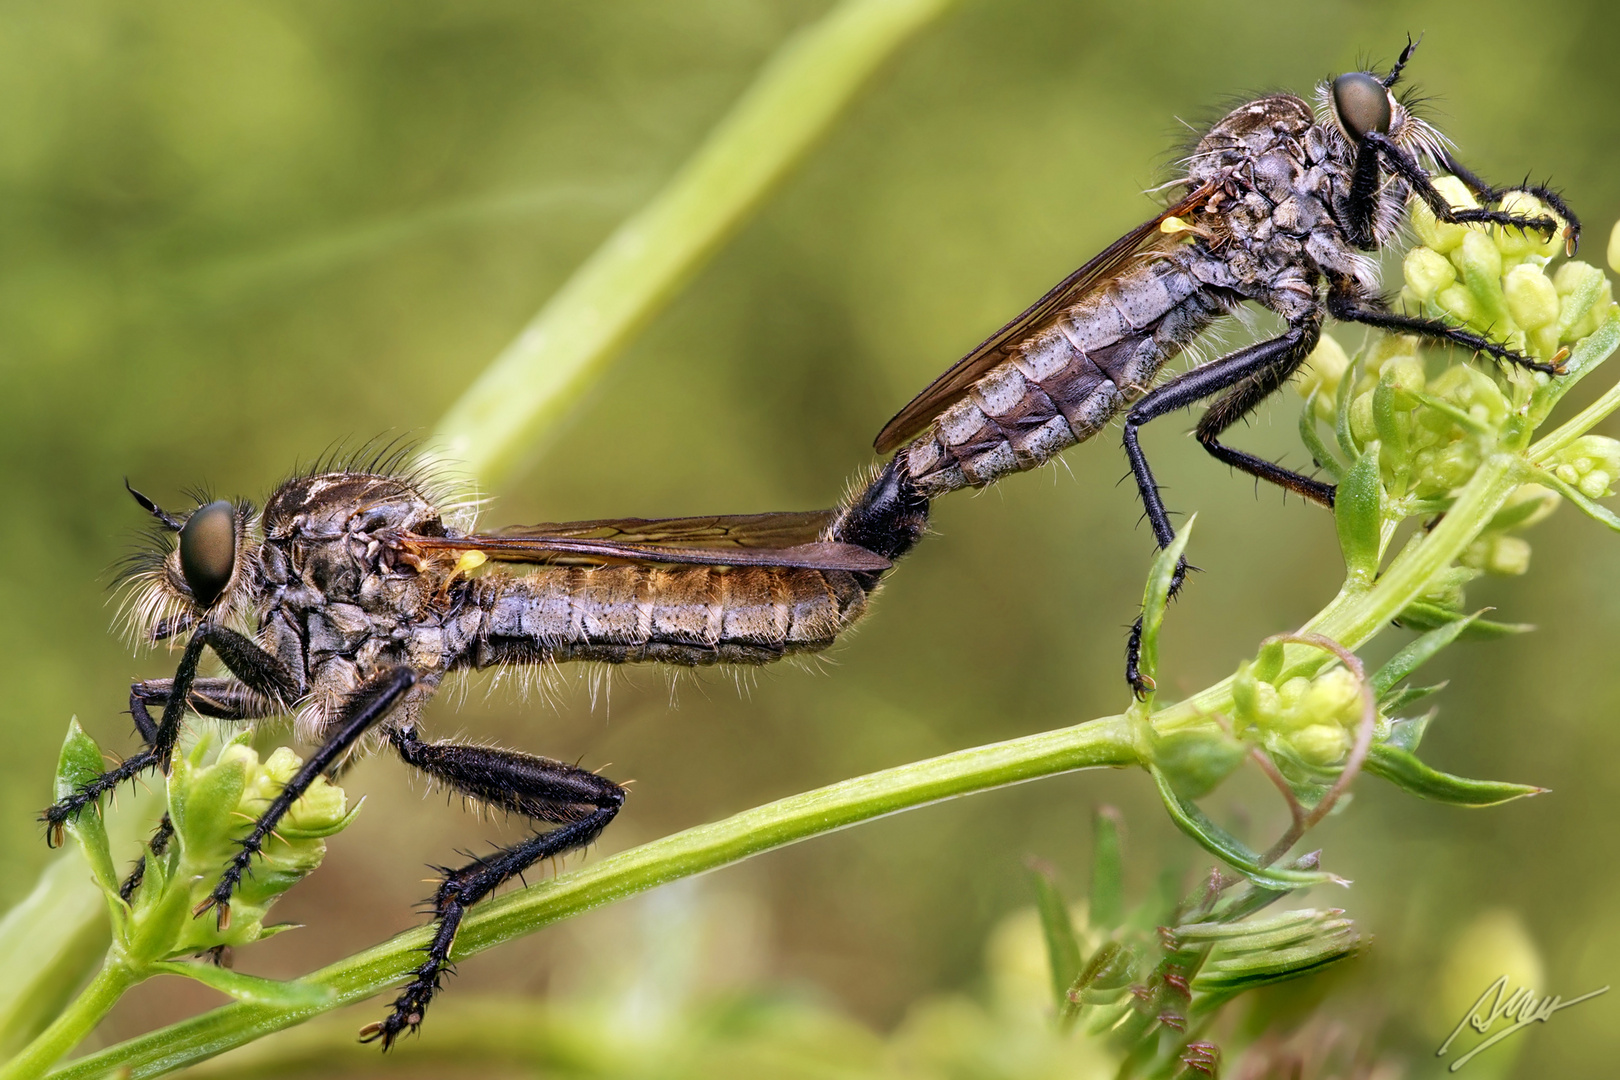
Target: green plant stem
[497,423]
[1104,742]
[75,1022]
[1357,614]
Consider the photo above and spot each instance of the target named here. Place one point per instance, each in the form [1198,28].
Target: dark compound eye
[1362,104]
[208,550]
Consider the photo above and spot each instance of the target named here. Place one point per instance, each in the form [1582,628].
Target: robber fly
[1280,202]
[351,596]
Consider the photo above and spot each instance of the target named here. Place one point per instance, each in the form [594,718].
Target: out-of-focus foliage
[233,235]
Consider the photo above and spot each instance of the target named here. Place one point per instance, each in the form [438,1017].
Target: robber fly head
[1362,103]
[203,572]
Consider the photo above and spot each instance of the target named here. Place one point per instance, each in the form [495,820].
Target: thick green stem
[1104,742]
[79,1019]
[495,426]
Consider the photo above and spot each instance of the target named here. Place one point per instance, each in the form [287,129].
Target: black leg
[1346,305]
[363,710]
[157,846]
[259,671]
[1258,362]
[1488,194]
[1404,165]
[1241,400]
[156,755]
[580,803]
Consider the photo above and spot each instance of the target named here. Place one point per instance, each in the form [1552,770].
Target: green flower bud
[212,806]
[1531,298]
[1590,464]
[1614,248]
[1499,554]
[1260,951]
[1526,242]
[1437,234]
[1320,745]
[1427,272]
[1479,264]
[1458,302]
[1472,391]
[1581,290]
[1322,372]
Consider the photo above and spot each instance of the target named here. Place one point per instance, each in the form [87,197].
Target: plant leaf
[1403,769]
[1107,870]
[291,994]
[1223,845]
[1062,948]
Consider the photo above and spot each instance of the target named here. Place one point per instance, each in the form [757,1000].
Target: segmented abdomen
[1064,383]
[691,616]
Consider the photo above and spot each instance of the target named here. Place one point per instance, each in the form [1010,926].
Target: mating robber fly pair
[356,590]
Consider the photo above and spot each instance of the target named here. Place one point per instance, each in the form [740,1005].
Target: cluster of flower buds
[210,804]
[1305,724]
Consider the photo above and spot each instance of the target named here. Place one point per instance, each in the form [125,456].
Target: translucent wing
[785,539]
[952,386]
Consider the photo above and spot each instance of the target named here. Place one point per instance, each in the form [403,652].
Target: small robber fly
[352,595]
[1281,202]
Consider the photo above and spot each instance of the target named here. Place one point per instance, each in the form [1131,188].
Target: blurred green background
[233,235]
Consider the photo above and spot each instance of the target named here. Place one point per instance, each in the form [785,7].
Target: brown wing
[952,386]
[785,539]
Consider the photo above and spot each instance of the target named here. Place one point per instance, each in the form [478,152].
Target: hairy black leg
[1181,392]
[360,713]
[580,803]
[257,669]
[156,846]
[1239,402]
[1489,194]
[1346,305]
[1403,164]
[221,699]
[156,754]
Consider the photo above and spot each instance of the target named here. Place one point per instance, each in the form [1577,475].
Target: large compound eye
[208,550]
[1362,104]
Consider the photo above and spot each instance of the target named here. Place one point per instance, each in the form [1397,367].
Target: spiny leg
[580,803]
[155,756]
[1403,164]
[1251,362]
[155,847]
[257,670]
[360,713]
[1489,194]
[1243,399]
[1347,305]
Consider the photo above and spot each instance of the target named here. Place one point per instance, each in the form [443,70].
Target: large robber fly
[1280,202]
[352,595]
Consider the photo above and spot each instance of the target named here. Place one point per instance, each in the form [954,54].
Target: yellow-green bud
[1437,234]
[1322,371]
[1590,464]
[1499,554]
[1526,242]
[1321,745]
[1531,298]
[1335,696]
[1427,272]
[1457,302]
[1479,263]
[1614,248]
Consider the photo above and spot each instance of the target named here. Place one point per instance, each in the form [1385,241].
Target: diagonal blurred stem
[494,428]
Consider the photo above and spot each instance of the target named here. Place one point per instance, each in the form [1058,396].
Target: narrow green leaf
[1358,509]
[1407,696]
[1223,845]
[1589,352]
[1157,595]
[292,994]
[1394,452]
[1062,948]
[80,763]
[1325,459]
[1403,769]
[1422,615]
[1341,411]
[1107,869]
[1416,654]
